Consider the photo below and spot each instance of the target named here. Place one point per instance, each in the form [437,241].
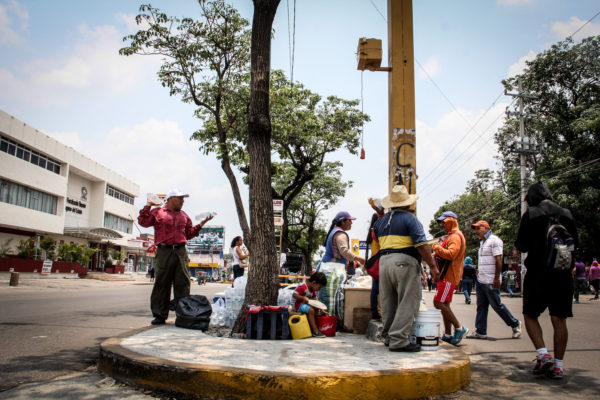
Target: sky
[61,73]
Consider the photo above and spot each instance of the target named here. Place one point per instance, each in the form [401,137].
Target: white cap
[176,193]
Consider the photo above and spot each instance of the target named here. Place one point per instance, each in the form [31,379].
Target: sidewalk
[175,360]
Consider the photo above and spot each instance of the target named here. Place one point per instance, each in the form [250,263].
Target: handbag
[372,266]
[244,263]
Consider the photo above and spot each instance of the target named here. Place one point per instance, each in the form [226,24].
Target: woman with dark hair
[375,285]
[337,244]
[240,255]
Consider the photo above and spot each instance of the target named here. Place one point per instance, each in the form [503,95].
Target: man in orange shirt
[450,256]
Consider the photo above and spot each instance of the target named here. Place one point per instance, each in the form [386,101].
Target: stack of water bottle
[234,298]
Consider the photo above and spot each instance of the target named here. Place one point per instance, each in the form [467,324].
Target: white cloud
[430,69]
[8,33]
[91,63]
[518,67]
[564,29]
[515,2]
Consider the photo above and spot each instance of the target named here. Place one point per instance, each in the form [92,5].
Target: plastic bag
[193,312]
[332,294]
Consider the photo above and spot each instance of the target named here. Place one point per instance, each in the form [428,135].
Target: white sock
[447,335]
[558,363]
[541,351]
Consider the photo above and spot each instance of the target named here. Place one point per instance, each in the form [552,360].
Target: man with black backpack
[548,234]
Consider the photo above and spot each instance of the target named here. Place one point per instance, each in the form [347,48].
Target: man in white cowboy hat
[172,229]
[402,245]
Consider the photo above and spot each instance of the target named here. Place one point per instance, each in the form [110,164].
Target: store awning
[93,233]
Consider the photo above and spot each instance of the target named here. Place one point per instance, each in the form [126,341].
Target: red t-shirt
[170,227]
[304,290]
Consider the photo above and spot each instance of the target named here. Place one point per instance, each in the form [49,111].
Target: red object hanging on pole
[362,154]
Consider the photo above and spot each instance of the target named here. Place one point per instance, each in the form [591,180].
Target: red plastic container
[327,325]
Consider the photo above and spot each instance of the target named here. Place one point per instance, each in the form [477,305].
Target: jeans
[374,294]
[510,288]
[487,296]
[467,286]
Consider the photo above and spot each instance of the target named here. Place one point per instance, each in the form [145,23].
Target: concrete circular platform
[346,366]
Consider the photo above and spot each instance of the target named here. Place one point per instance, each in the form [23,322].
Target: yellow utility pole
[401,96]
[402,157]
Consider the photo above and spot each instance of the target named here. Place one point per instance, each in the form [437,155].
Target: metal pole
[522,155]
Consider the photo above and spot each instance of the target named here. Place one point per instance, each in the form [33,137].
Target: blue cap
[468,261]
[445,215]
[343,215]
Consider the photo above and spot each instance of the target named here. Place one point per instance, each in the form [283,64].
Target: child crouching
[308,291]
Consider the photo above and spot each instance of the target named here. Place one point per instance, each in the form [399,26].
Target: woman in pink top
[594,277]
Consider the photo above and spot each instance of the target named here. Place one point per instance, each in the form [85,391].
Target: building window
[117,194]
[24,153]
[117,223]
[23,196]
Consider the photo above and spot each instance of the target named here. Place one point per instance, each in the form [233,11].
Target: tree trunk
[262,287]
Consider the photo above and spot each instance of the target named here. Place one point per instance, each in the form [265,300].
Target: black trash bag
[192,312]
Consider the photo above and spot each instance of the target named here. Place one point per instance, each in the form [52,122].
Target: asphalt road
[50,329]
[53,327]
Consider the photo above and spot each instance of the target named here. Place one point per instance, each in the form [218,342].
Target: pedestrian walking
[545,286]
[594,277]
[172,229]
[468,278]
[240,256]
[487,286]
[579,280]
[450,255]
[401,241]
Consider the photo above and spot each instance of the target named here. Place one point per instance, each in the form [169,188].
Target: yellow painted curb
[215,382]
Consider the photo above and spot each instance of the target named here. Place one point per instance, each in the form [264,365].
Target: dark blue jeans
[374,294]
[467,286]
[488,296]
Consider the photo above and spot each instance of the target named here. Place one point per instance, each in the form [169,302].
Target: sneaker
[447,339]
[543,365]
[468,302]
[158,321]
[555,373]
[318,334]
[458,335]
[476,335]
[517,331]
[409,348]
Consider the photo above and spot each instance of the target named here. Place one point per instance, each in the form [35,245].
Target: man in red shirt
[172,229]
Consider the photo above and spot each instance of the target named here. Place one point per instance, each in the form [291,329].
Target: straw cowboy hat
[399,198]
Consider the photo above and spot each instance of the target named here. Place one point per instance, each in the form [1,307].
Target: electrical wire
[455,170]
[581,27]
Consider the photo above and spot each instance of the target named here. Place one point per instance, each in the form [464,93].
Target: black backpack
[193,312]
[560,245]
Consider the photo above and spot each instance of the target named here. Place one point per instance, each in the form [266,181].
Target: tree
[263,281]
[305,128]
[204,63]
[48,244]
[26,248]
[305,231]
[207,64]
[484,199]
[566,82]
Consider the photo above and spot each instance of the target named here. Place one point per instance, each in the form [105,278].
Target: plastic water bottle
[204,215]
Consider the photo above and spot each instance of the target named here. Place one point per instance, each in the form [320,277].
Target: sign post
[47,267]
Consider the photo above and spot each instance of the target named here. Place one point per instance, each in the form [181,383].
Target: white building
[48,188]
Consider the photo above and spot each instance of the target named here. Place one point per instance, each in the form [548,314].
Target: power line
[380,13]
[454,171]
[581,27]
[472,128]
